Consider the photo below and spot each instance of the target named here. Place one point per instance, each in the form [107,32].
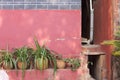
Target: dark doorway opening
[93,61]
[86,19]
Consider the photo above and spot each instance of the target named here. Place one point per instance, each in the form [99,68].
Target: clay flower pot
[41,64]
[7,65]
[22,65]
[60,64]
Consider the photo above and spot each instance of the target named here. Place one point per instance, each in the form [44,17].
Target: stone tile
[29,6]
[30,1]
[46,4]
[65,1]
[41,6]
[64,6]
[42,1]
[75,7]
[17,6]
[76,1]
[7,6]
[0,7]
[6,1]
[20,1]
[52,6]
[53,1]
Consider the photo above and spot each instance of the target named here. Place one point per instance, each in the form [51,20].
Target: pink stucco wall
[60,29]
[44,75]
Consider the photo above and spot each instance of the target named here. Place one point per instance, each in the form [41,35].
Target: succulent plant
[73,63]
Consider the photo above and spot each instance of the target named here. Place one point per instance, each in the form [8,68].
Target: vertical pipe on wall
[91,21]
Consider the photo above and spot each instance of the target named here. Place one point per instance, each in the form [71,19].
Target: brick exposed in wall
[41,4]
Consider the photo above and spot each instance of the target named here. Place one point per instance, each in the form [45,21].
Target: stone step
[92,50]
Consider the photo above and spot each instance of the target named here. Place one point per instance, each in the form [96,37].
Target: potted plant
[41,61]
[7,61]
[23,56]
[42,56]
[73,63]
[60,64]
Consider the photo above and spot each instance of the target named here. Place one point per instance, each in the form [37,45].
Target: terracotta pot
[7,65]
[41,64]
[22,65]
[60,64]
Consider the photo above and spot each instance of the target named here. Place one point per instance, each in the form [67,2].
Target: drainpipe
[91,21]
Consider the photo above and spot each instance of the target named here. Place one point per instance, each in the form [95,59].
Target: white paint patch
[3,75]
